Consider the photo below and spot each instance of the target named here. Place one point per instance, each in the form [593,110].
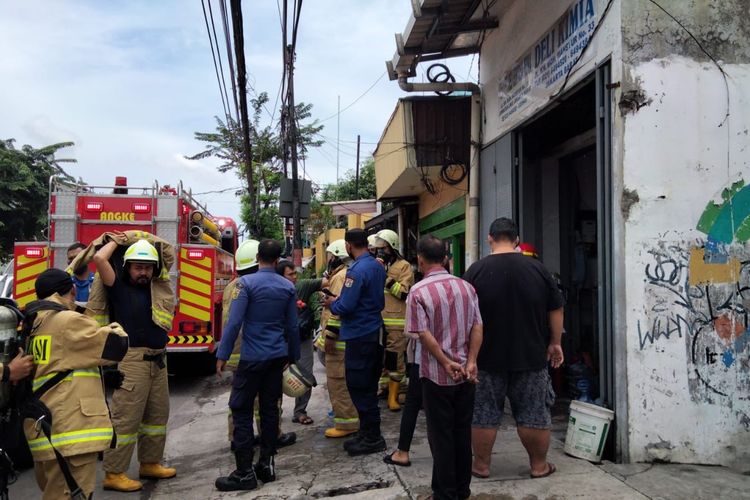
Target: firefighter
[345,418]
[68,349]
[371,240]
[359,306]
[140,406]
[246,262]
[400,278]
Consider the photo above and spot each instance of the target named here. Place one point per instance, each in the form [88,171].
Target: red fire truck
[204,244]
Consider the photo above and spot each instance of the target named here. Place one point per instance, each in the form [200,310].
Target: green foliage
[346,188]
[267,162]
[24,191]
[321,216]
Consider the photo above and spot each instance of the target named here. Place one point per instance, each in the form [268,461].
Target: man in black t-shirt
[140,406]
[523,318]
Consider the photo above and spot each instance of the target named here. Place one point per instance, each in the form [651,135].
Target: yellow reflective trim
[88,372]
[36,269]
[198,300]
[194,312]
[102,319]
[72,437]
[345,420]
[341,345]
[334,322]
[396,289]
[196,285]
[152,430]
[126,439]
[195,271]
[394,322]
[161,314]
[205,261]
[24,287]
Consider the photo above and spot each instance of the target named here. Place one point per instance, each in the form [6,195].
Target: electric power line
[355,100]
[219,79]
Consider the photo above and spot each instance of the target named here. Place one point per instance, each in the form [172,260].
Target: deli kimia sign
[548,61]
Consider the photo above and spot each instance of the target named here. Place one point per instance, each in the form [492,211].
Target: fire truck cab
[204,245]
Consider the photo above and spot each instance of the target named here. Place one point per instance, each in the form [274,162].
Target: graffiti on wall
[699,293]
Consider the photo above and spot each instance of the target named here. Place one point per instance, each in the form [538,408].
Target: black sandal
[389,460]
[303,420]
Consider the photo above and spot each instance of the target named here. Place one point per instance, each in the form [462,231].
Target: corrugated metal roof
[438,29]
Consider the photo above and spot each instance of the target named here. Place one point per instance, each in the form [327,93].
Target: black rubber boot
[243,478]
[353,440]
[371,441]
[286,439]
[265,469]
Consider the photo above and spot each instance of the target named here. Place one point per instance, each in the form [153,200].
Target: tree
[267,162]
[346,189]
[321,216]
[24,191]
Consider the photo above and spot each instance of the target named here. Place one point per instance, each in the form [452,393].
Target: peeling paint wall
[686,214]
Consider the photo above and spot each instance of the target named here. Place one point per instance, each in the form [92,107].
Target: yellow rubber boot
[393,396]
[120,482]
[156,471]
[333,432]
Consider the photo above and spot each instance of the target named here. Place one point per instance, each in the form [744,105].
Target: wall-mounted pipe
[472,202]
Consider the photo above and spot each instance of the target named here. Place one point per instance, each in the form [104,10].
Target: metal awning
[352,207]
[438,29]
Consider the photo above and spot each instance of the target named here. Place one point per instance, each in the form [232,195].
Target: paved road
[316,467]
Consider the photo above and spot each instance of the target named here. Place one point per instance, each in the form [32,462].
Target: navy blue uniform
[359,308]
[265,308]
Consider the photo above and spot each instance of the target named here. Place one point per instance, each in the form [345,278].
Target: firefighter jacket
[330,323]
[162,294]
[67,340]
[399,280]
[226,302]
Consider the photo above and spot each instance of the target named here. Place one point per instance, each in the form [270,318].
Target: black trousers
[363,360]
[449,410]
[261,378]
[411,408]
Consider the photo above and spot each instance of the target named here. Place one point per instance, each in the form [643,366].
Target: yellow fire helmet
[294,383]
[338,249]
[141,251]
[388,236]
[246,255]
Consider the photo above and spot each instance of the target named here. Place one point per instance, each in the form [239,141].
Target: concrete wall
[429,203]
[391,153]
[684,210]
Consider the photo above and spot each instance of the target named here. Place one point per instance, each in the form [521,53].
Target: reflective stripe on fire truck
[190,339]
[25,271]
[194,288]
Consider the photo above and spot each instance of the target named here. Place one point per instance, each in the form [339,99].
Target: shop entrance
[563,210]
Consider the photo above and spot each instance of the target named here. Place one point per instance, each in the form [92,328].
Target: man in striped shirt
[444,311]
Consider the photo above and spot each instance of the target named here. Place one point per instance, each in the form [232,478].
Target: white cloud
[130,82]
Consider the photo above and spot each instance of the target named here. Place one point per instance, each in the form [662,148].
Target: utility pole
[239,50]
[356,178]
[292,128]
[338,137]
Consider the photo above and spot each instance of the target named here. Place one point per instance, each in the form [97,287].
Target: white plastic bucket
[588,426]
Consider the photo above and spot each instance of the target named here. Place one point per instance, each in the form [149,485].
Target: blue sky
[129,82]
